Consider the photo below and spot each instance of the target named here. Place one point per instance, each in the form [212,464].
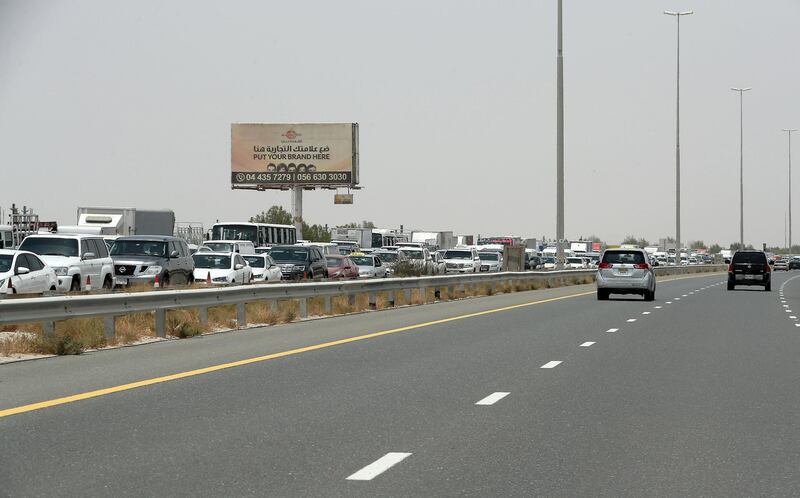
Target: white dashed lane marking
[586,344]
[631,320]
[612,330]
[656,307]
[645,312]
[492,398]
[551,364]
[378,467]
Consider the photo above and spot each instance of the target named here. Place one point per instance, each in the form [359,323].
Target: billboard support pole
[297,210]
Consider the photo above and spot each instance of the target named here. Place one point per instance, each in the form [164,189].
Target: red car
[341,267]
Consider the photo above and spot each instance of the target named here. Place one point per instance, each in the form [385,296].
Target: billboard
[287,155]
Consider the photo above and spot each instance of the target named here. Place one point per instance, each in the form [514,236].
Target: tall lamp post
[741,163]
[560,145]
[789,133]
[678,16]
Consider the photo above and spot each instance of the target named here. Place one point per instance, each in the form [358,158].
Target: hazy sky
[130,104]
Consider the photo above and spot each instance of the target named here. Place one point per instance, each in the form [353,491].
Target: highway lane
[680,401]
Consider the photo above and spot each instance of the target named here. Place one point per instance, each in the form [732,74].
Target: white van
[237,246]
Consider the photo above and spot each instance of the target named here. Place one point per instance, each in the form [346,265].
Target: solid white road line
[551,364]
[612,330]
[492,398]
[586,344]
[631,320]
[378,467]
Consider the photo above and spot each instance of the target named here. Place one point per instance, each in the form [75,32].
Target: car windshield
[211,261]
[388,257]
[236,232]
[255,261]
[50,246]
[263,250]
[289,254]
[549,260]
[575,260]
[458,255]
[624,257]
[489,256]
[413,254]
[362,260]
[334,261]
[219,246]
[5,262]
[758,258]
[139,248]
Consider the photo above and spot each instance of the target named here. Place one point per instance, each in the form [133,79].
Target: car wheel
[730,286]
[190,280]
[108,283]
[75,286]
[650,295]
[602,295]
[768,287]
[165,280]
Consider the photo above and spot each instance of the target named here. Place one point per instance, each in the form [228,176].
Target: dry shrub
[260,312]
[132,328]
[86,331]
[20,344]
[223,316]
[33,328]
[316,306]
[185,323]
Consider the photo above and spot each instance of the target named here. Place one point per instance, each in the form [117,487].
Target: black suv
[300,262]
[749,268]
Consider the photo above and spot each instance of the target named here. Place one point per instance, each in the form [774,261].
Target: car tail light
[642,266]
[730,268]
[604,266]
[767,269]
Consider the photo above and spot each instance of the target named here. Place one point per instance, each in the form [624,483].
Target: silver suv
[625,271]
[140,258]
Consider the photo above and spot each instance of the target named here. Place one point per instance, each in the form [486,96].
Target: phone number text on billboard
[289,178]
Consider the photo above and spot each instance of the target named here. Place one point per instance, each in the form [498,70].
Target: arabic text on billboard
[294,154]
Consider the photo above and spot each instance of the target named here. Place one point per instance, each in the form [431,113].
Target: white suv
[462,260]
[75,258]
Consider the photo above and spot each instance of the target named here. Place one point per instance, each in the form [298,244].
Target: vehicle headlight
[152,270]
[220,279]
[61,271]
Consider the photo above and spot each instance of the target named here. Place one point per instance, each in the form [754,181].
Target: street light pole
[789,133]
[678,16]
[560,146]
[741,163]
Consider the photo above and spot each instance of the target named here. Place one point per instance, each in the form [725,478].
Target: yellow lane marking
[215,368]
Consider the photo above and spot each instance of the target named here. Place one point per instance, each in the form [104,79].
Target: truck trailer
[128,221]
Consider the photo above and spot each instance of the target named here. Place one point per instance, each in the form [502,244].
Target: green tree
[715,249]
[736,246]
[642,242]
[316,233]
[363,224]
[697,244]
[630,239]
[275,214]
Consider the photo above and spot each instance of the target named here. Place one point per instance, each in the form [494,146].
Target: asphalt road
[698,396]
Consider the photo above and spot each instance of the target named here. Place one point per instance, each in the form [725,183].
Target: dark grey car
[300,262]
[140,258]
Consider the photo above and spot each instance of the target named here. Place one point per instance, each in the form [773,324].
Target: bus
[260,234]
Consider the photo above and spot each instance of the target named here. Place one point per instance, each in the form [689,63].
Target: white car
[462,260]
[576,264]
[369,266]
[77,259]
[419,257]
[237,246]
[491,261]
[223,268]
[264,268]
[22,272]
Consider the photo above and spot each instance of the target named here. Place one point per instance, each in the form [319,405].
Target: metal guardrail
[48,310]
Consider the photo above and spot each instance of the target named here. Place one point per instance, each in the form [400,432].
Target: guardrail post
[407,295]
[203,313]
[351,299]
[48,329]
[110,327]
[373,300]
[462,290]
[391,298]
[450,291]
[241,316]
[161,322]
[273,306]
[303,307]
[328,305]
[423,294]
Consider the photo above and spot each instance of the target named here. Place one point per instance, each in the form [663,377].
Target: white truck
[127,221]
[435,240]
[361,236]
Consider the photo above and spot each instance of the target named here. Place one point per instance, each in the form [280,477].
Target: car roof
[11,252]
[149,238]
[64,236]
[214,253]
